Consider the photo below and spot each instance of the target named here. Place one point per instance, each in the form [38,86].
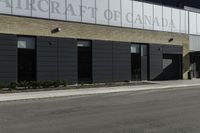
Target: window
[83,43]
[135,48]
[26,43]
[143,50]
[26,58]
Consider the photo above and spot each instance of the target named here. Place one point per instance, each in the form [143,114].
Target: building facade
[95,41]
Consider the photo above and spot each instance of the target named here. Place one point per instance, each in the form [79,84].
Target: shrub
[2,85]
[57,83]
[39,84]
[31,85]
[13,85]
[64,83]
[46,84]
[35,84]
[23,84]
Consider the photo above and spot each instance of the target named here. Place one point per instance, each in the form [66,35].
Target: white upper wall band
[121,13]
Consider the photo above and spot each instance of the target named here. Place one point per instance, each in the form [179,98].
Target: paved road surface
[155,111]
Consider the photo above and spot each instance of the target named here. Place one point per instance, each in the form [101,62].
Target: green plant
[39,84]
[13,85]
[56,83]
[46,84]
[35,85]
[23,84]
[64,83]
[2,85]
[31,84]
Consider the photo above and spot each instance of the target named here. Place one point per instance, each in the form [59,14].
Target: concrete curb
[89,91]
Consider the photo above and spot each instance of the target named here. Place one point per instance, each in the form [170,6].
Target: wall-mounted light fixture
[171,39]
[56,30]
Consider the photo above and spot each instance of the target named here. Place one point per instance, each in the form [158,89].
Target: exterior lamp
[56,30]
[171,39]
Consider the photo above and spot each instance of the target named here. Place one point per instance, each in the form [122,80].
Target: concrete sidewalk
[103,90]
